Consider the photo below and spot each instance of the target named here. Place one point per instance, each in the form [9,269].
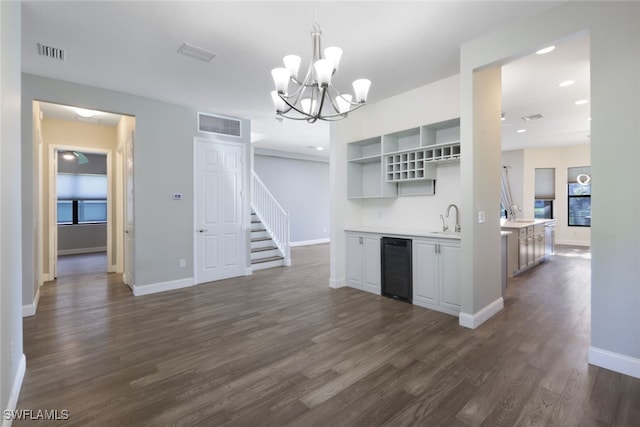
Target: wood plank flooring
[280,348]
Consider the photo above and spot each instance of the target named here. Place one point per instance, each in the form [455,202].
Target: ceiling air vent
[51,52]
[196,52]
[532,117]
[219,125]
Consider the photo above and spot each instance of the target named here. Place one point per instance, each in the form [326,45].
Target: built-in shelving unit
[401,163]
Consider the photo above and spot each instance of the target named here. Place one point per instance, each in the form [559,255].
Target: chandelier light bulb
[307,106]
[277,101]
[324,70]
[333,54]
[281,79]
[344,103]
[292,63]
[361,90]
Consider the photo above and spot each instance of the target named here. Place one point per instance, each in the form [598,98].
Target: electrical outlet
[183,263]
[480,217]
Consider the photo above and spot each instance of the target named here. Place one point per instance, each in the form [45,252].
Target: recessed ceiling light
[85,113]
[566,83]
[545,50]
[68,156]
[319,148]
[582,102]
[521,131]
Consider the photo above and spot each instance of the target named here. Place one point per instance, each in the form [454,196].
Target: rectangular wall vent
[532,117]
[51,52]
[219,125]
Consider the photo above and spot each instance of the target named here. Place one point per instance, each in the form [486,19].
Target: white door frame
[127,236]
[52,217]
[246,205]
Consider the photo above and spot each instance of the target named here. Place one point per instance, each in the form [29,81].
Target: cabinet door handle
[361,240]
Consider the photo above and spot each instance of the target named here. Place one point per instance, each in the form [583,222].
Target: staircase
[269,228]
[264,252]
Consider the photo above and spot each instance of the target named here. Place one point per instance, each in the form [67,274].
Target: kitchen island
[532,241]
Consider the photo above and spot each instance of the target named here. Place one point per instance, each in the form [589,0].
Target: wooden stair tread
[267,259]
[266,248]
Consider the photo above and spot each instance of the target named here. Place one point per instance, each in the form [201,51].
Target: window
[579,196]
[82,198]
[543,209]
[545,193]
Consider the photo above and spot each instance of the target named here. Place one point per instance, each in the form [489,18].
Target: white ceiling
[132,47]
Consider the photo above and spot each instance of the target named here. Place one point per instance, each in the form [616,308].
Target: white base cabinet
[363,262]
[436,275]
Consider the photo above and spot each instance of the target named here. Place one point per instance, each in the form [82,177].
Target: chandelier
[314,97]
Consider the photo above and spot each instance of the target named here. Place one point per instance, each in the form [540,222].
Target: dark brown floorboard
[280,348]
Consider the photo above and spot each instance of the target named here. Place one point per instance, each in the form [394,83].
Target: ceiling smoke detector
[51,52]
[532,117]
[196,52]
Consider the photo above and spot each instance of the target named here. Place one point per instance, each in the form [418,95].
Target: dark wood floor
[281,348]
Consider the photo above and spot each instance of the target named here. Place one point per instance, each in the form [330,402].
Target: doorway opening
[83,188]
[545,145]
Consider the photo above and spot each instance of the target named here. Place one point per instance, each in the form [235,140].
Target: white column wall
[615,148]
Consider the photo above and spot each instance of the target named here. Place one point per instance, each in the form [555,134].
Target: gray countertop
[521,223]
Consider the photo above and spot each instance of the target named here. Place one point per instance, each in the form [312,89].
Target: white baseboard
[154,288]
[112,268]
[248,271]
[15,390]
[309,242]
[472,321]
[46,277]
[335,284]
[81,250]
[616,362]
[30,309]
[573,243]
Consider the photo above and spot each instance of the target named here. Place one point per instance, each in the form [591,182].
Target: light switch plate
[480,217]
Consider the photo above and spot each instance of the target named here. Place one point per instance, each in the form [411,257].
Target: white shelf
[401,163]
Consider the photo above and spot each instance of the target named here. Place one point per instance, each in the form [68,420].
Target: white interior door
[220,252]
[128,275]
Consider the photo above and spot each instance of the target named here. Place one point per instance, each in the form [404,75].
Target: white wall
[615,150]
[301,186]
[12,362]
[82,238]
[163,165]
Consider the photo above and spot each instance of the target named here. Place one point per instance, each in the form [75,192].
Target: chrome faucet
[445,227]
[457,227]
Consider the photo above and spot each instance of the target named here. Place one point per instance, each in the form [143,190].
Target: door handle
[202,230]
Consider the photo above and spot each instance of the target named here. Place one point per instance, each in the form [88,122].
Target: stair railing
[273,216]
